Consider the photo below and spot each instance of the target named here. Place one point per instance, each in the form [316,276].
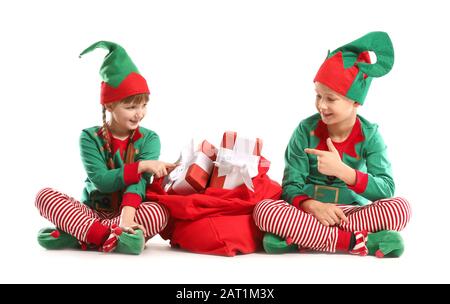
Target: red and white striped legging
[76,218]
[286,221]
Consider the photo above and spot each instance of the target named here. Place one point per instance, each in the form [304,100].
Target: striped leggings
[286,221]
[76,218]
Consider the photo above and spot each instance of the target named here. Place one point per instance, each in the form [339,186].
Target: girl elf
[119,158]
[337,183]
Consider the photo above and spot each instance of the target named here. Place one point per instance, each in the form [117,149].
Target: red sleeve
[130,173]
[298,200]
[131,199]
[361,182]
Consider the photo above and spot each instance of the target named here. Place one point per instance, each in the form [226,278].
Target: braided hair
[130,151]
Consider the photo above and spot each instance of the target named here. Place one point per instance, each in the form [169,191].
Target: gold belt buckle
[318,194]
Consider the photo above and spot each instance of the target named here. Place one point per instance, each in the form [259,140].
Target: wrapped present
[237,162]
[193,171]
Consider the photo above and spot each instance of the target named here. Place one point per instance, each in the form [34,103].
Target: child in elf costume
[119,158]
[337,184]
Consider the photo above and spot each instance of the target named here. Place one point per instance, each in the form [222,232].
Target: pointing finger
[313,151]
[169,165]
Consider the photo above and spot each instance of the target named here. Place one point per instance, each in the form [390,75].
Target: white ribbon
[176,178]
[184,161]
[239,165]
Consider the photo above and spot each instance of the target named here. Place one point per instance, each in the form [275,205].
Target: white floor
[26,262]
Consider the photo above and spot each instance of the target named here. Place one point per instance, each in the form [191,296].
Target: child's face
[127,116]
[332,106]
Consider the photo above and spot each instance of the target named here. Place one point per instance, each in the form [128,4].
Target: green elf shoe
[54,238]
[385,243]
[131,243]
[126,243]
[274,244]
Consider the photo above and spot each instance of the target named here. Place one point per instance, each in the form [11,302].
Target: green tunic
[102,182]
[364,150]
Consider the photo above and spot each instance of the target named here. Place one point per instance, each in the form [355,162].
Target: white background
[214,66]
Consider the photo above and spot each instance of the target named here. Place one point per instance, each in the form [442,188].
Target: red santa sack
[218,221]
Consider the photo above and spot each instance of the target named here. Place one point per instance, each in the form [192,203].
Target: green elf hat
[348,69]
[120,76]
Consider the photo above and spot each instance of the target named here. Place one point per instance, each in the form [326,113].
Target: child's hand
[156,167]
[327,214]
[328,162]
[127,223]
[131,227]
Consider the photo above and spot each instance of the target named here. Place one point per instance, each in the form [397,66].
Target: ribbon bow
[239,163]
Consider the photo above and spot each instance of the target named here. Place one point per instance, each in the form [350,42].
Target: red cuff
[362,179]
[130,173]
[97,233]
[131,199]
[298,200]
[343,241]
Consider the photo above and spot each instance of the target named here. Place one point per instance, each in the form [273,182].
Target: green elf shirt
[104,186]
[363,150]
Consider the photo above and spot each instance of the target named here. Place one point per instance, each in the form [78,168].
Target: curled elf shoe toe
[53,238]
[126,243]
[385,243]
[275,244]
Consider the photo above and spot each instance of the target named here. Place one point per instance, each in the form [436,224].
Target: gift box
[237,162]
[194,170]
